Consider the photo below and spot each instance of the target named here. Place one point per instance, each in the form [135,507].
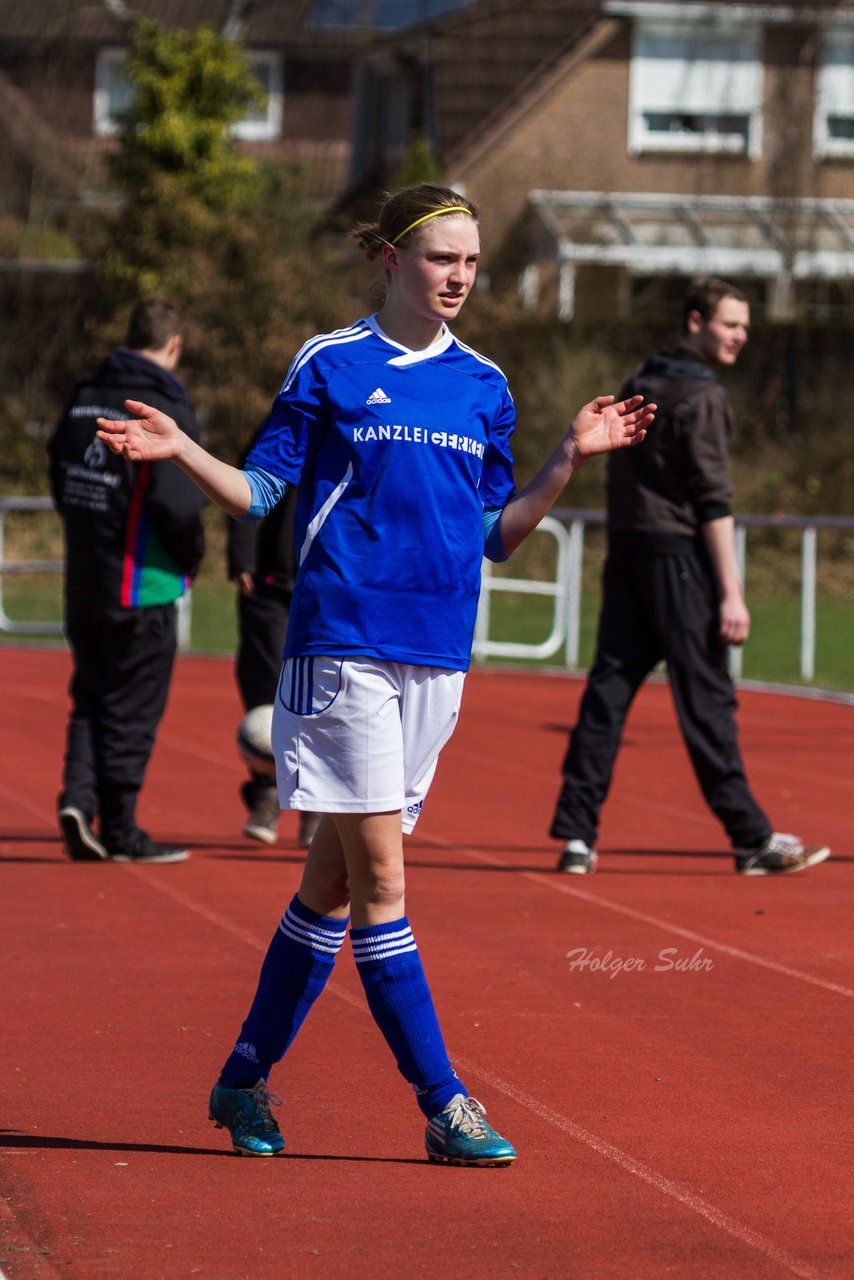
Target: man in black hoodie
[671,591]
[133,541]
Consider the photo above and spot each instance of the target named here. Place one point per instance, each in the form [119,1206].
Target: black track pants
[123,664]
[658,607]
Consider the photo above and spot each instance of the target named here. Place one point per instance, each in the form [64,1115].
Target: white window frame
[267,128]
[834,87]
[642,101]
[108,62]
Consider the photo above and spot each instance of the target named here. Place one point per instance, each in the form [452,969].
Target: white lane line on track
[659,1182]
[550,882]
[511,767]
[213,917]
[228,761]
[19,798]
[716,1217]
[560,886]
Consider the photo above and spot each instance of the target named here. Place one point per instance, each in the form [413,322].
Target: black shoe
[144,849]
[578,859]
[81,843]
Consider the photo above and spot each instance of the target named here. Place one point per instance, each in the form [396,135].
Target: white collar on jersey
[407,356]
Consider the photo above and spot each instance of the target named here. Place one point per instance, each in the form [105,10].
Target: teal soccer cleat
[459,1134]
[247,1116]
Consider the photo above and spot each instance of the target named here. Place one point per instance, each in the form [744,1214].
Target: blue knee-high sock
[298,962]
[399,998]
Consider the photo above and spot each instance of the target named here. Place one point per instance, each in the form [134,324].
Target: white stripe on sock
[329,941]
[383,946]
[391,936]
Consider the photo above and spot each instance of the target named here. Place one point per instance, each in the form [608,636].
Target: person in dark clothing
[262,565]
[133,541]
[671,591]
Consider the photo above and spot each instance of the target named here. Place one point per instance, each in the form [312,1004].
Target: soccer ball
[254,741]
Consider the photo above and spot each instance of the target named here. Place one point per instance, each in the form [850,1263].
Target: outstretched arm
[152,436]
[598,427]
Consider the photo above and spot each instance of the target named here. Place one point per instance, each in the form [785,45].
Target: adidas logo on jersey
[378,397]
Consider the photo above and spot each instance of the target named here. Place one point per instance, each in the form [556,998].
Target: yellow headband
[457,208]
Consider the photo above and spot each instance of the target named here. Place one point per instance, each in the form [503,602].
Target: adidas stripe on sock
[298,963]
[399,998]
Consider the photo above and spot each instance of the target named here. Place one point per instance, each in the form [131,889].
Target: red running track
[684,1116]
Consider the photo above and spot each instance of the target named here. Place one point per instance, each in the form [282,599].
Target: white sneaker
[779,854]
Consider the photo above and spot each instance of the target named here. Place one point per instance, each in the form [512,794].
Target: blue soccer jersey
[397,454]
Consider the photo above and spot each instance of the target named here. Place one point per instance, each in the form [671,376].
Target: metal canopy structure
[779,240]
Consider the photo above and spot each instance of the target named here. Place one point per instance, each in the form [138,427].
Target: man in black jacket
[671,591]
[133,541]
[262,565]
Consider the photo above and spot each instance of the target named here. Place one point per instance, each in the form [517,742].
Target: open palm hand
[148,437]
[603,425]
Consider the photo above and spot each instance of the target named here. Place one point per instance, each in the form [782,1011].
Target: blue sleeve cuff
[493,547]
[267,490]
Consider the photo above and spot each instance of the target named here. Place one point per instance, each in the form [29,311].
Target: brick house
[612,143]
[617,142]
[62,83]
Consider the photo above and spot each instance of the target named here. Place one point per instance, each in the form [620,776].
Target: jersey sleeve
[266,492]
[497,484]
[493,543]
[293,424]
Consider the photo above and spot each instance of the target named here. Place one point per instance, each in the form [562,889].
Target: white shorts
[356,735]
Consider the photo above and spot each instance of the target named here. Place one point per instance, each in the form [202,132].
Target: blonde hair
[403,211]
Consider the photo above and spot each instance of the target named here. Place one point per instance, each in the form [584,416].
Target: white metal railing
[559,589]
[7,624]
[18,626]
[567,527]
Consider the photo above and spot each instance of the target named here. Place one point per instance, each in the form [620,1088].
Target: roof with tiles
[483,56]
[280,20]
[256,21]
[488,57]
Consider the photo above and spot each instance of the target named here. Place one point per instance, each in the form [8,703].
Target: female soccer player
[398,435]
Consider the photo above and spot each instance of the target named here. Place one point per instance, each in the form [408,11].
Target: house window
[114,93]
[264,123]
[695,88]
[833,120]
